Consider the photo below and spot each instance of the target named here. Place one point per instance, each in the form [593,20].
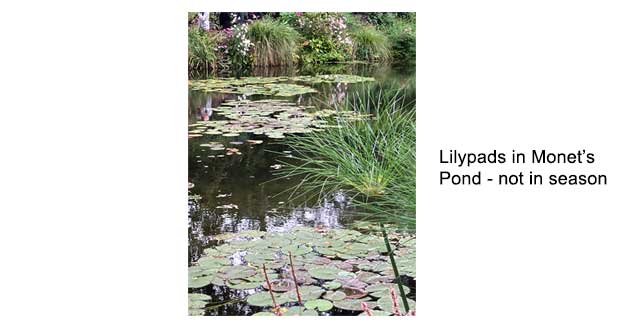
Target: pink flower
[298,14]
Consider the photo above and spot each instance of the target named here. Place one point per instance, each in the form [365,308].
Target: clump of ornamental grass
[370,44]
[275,43]
[372,159]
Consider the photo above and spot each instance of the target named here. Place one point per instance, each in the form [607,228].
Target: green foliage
[370,44]
[202,51]
[326,37]
[402,37]
[275,43]
[238,47]
[372,160]
[288,18]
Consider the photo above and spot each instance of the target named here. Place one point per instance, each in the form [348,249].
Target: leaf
[376,312]
[243,285]
[386,304]
[382,289]
[332,285]
[264,314]
[351,304]
[299,311]
[263,299]
[325,272]
[280,285]
[235,272]
[307,292]
[334,295]
[321,304]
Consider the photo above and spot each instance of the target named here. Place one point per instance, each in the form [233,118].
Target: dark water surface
[238,192]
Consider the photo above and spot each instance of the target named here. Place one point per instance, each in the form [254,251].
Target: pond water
[236,192]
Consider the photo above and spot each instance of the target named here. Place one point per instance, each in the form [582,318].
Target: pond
[234,199]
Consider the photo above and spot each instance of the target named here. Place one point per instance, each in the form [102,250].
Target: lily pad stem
[276,307]
[295,280]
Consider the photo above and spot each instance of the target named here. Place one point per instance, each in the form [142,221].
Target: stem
[295,280]
[273,298]
[395,269]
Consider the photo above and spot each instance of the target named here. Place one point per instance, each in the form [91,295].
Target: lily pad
[386,304]
[321,304]
[352,304]
[263,314]
[325,272]
[307,292]
[382,289]
[334,295]
[263,299]
[299,311]
[280,285]
[243,285]
[235,272]
[332,285]
[375,312]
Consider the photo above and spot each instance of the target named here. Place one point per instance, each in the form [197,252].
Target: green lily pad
[199,282]
[334,295]
[386,304]
[382,289]
[263,314]
[307,292]
[213,262]
[243,285]
[375,312]
[296,250]
[332,285]
[321,304]
[197,302]
[299,311]
[325,272]
[263,299]
[333,78]
[352,304]
[235,272]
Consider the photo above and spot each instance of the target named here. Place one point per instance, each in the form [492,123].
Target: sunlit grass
[275,43]
[372,160]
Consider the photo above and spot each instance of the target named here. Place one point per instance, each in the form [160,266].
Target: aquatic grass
[370,44]
[275,43]
[373,160]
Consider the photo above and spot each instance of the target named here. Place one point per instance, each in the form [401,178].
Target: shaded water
[237,192]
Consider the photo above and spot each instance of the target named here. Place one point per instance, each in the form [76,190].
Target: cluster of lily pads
[333,78]
[335,268]
[273,86]
[270,117]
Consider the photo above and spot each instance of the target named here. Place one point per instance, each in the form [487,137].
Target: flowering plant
[237,46]
[328,39]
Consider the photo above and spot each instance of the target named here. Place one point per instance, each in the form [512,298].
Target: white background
[94,166]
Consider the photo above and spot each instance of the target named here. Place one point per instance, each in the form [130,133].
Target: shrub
[370,44]
[326,37]
[402,37]
[203,46]
[237,47]
[275,44]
